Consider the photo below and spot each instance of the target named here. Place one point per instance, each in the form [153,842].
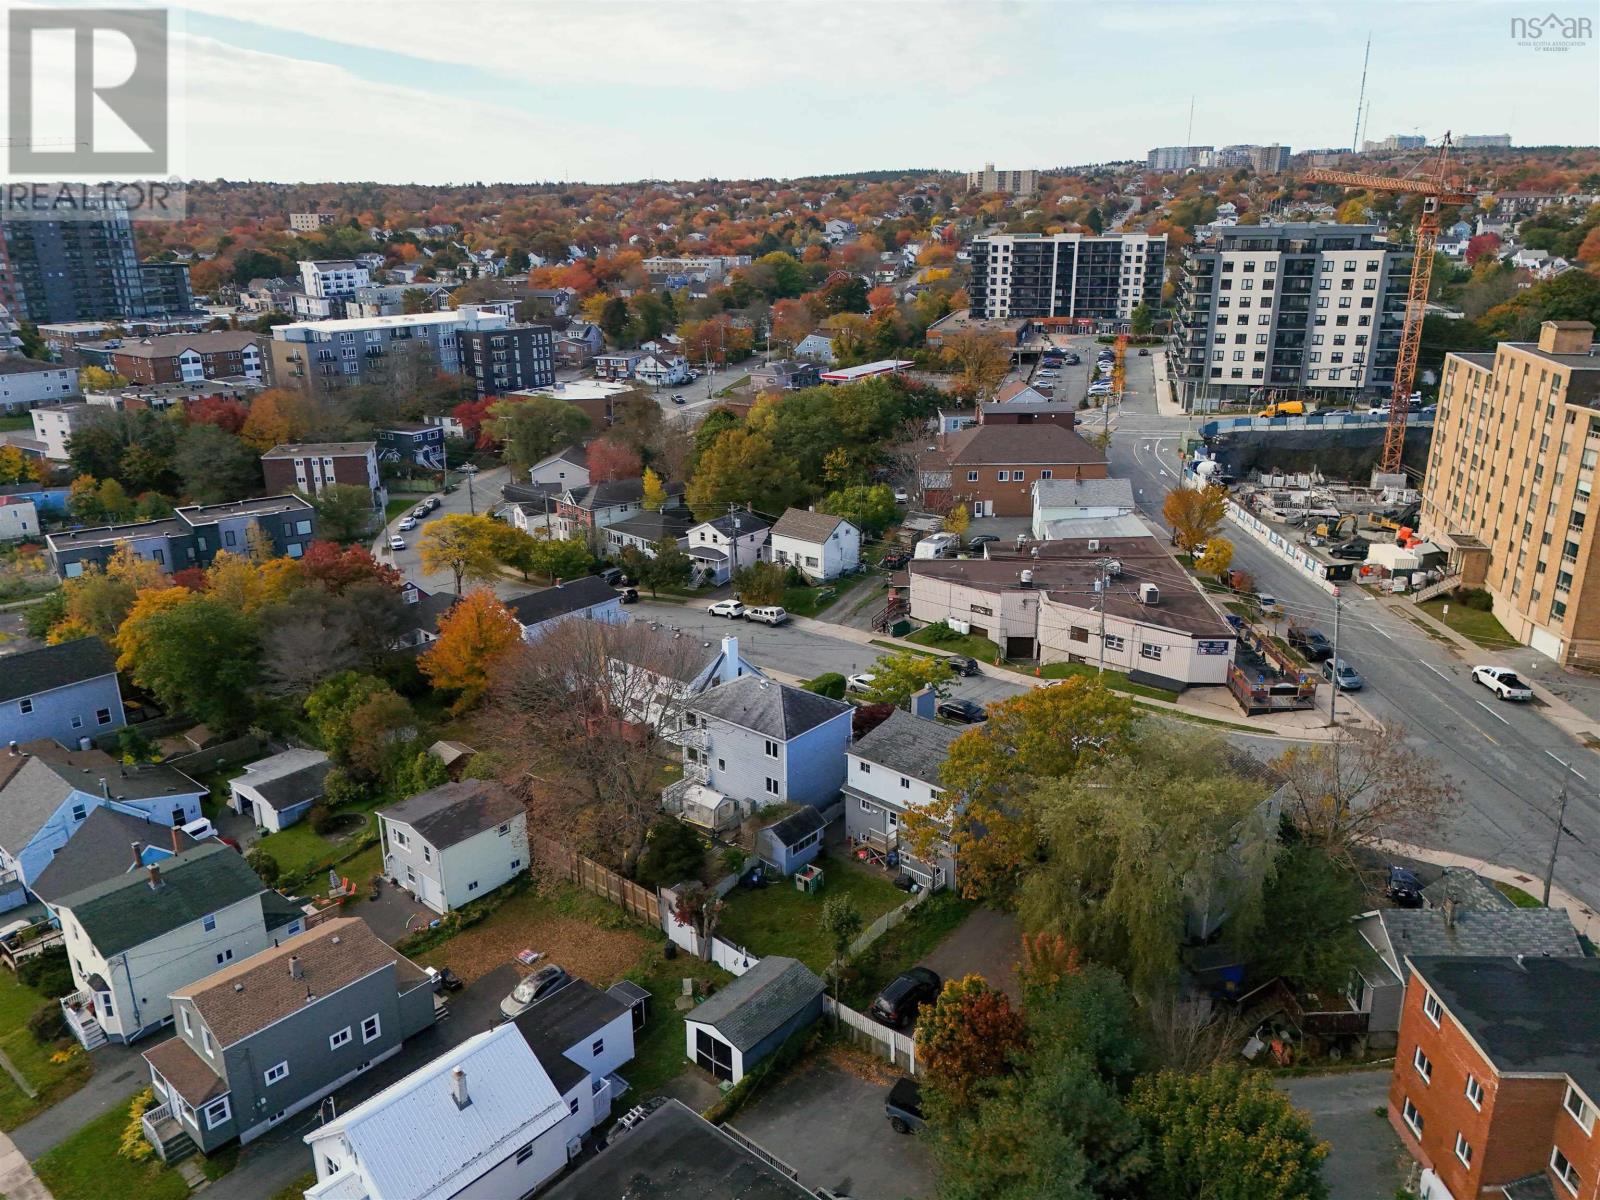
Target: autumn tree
[534,427]
[608,460]
[985,808]
[1365,785]
[468,547]
[332,707]
[979,360]
[655,492]
[195,654]
[247,585]
[1195,514]
[15,467]
[474,637]
[958,520]
[277,415]
[699,907]
[98,601]
[1217,558]
[337,568]
[559,558]
[969,1033]
[742,468]
[1228,1134]
[760,583]
[899,676]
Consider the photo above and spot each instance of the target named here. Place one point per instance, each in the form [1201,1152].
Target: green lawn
[658,1049]
[296,1190]
[400,504]
[52,1081]
[300,849]
[904,946]
[980,648]
[809,601]
[780,919]
[1480,627]
[87,1166]
[11,422]
[1517,896]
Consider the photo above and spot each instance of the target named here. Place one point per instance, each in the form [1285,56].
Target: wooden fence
[887,922]
[898,1048]
[566,864]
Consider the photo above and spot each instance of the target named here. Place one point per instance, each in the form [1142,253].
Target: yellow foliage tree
[655,492]
[97,602]
[277,415]
[1194,513]
[1217,558]
[473,636]
[134,635]
[957,520]
[247,586]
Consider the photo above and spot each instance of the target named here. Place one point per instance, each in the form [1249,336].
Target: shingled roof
[775,709]
[453,812]
[913,746]
[806,526]
[43,670]
[759,1001]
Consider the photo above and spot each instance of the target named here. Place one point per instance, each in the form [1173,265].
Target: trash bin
[900,628]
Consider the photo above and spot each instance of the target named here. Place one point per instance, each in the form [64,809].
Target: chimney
[294,967]
[458,1088]
[730,659]
[177,846]
[1449,907]
[105,789]
[155,876]
[138,855]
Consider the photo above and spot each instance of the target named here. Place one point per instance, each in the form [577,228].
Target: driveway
[826,1121]
[1366,1160]
[394,914]
[987,943]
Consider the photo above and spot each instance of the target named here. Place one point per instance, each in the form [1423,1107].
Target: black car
[613,575]
[1311,643]
[679,400]
[1355,548]
[1404,888]
[897,1005]
[446,980]
[968,712]
[982,539]
[903,1106]
[962,665]
[1144,353]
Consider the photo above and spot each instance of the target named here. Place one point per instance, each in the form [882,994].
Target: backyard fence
[887,922]
[566,864]
[212,757]
[863,1031]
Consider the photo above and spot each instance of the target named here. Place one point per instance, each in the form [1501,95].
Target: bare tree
[582,720]
[1364,785]
[699,907]
[1187,1033]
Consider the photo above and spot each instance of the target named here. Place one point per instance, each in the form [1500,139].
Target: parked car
[729,608]
[679,400]
[982,539]
[968,712]
[1268,603]
[1342,675]
[897,1005]
[1503,682]
[767,614]
[1355,549]
[962,665]
[396,542]
[1404,888]
[1072,360]
[547,980]
[861,682]
[432,502]
[628,595]
[420,511]
[900,496]
[612,575]
[1310,642]
[407,523]
[903,1106]
[1144,352]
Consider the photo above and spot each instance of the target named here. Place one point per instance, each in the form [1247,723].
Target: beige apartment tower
[1510,484]
[1017,183]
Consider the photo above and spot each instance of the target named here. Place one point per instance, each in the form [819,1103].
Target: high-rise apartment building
[508,359]
[1313,309]
[75,270]
[1179,158]
[1483,141]
[166,289]
[1269,160]
[310,222]
[1017,183]
[1101,278]
[1510,476]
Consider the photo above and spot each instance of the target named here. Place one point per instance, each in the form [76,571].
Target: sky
[441,91]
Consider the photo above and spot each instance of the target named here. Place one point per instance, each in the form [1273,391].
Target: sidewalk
[1584,918]
[17,1180]
[1166,405]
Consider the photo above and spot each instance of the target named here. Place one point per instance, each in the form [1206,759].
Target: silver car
[543,982]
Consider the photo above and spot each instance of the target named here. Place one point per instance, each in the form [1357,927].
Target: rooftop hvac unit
[1026,579]
[1114,568]
[1094,545]
[1149,593]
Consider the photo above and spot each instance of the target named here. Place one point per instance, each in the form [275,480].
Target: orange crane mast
[1436,189]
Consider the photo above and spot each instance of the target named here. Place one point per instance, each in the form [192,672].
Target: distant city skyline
[495,90]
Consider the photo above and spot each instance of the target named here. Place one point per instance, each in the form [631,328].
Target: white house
[565,469]
[894,770]
[662,368]
[279,790]
[671,679]
[588,599]
[1058,501]
[820,546]
[727,544]
[816,347]
[455,843]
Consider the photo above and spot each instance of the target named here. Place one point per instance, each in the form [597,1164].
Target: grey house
[191,537]
[761,743]
[894,769]
[751,1017]
[264,1038]
[64,692]
[455,843]
[279,790]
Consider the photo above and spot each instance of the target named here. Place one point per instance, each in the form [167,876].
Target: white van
[938,545]
[767,614]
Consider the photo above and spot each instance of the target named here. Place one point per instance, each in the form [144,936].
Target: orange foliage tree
[967,1035]
[473,636]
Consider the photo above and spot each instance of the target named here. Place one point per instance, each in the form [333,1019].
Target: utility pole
[1101,582]
[1561,820]
[1333,691]
[472,503]
[733,511]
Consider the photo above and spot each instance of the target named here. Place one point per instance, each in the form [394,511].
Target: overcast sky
[451,90]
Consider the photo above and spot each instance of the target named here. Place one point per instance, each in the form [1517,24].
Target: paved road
[1498,753]
[481,497]
[1366,1161]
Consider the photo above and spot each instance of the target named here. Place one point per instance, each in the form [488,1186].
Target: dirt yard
[591,939]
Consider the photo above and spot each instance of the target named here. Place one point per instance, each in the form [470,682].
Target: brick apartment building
[992,467]
[1497,1077]
[309,467]
[1510,473]
[186,357]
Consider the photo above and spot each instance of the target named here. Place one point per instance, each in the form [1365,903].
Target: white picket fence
[898,1048]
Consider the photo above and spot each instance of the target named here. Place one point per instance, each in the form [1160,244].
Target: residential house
[676,1154]
[188,357]
[1119,601]
[579,342]
[761,743]
[26,383]
[54,425]
[791,843]
[673,678]
[991,467]
[784,375]
[893,770]
[270,1035]
[645,529]
[725,545]
[1396,934]
[662,368]
[1496,1078]
[837,231]
[455,843]
[108,844]
[582,511]
[617,365]
[1028,407]
[588,599]
[582,1036]
[565,469]
[412,443]
[816,348]
[277,791]
[191,537]
[748,1019]
[67,691]
[309,467]
[1059,503]
[820,546]
[423,613]
[135,938]
[48,792]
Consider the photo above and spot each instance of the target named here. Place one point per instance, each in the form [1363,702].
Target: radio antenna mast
[1361,97]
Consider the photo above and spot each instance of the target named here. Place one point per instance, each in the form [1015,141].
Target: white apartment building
[1016,183]
[1099,278]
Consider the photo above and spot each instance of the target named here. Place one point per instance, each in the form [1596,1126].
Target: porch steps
[90,1034]
[175,1144]
[1447,584]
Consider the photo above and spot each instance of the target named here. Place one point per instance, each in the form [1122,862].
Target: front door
[983,508]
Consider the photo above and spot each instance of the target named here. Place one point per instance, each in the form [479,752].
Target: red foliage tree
[968,1034]
[608,460]
[472,414]
[193,578]
[229,415]
[1485,244]
[336,568]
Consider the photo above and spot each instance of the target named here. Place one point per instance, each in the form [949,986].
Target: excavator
[1339,528]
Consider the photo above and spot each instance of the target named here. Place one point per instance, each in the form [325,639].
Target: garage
[750,1018]
[1546,643]
[1019,647]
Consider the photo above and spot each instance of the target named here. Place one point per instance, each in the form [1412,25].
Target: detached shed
[277,792]
[751,1017]
[791,843]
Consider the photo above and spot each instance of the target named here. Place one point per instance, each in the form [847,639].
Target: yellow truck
[1284,408]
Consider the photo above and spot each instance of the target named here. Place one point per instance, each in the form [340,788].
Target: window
[1412,1117]
[772,786]
[273,1074]
[1431,1008]
[188,1025]
[217,1112]
[524,1153]
[473,886]
[209,923]
[224,956]
[1047,473]
[866,768]
[370,1029]
[427,852]
[1423,1064]
[398,838]
[79,812]
[342,1038]
[1580,1109]
[502,831]
[25,705]
[1463,1150]
[205,1040]
[103,716]
[1564,1170]
[1475,1093]
[77,722]
[1113,642]
[572,1106]
[598,1048]
[1147,650]
[771,748]
[972,477]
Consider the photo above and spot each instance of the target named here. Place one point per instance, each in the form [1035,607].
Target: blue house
[63,692]
[791,843]
[762,743]
[413,443]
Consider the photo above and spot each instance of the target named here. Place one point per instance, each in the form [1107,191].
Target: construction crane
[1436,189]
